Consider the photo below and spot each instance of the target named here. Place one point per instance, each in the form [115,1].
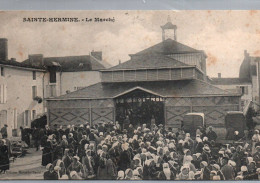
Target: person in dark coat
[211,134]
[124,159]
[36,138]
[4,131]
[50,174]
[4,156]
[47,152]
[67,158]
[227,170]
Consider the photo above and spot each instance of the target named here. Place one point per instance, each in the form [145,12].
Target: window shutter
[5,93]
[1,94]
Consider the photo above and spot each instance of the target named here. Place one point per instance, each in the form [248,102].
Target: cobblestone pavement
[27,167]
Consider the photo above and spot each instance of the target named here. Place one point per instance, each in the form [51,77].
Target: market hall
[161,83]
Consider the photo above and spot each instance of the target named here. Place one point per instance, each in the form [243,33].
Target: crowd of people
[106,151]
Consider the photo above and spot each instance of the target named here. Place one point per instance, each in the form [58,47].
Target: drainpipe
[60,83]
[43,92]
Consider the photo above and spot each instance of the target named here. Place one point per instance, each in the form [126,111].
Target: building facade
[164,81]
[25,86]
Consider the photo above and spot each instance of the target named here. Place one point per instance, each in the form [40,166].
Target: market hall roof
[183,88]
[230,81]
[149,61]
[168,47]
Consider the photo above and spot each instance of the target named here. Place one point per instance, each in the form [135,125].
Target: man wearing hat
[227,169]
[211,134]
[206,154]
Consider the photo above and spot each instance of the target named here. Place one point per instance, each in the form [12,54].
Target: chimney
[36,60]
[97,55]
[246,54]
[3,49]
[119,62]
[219,75]
[13,59]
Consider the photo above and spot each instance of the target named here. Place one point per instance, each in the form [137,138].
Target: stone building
[24,86]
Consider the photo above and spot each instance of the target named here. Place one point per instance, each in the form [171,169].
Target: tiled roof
[229,81]
[182,88]
[149,61]
[169,25]
[168,47]
[73,63]
[19,64]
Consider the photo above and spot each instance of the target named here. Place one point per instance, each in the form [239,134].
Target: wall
[19,84]
[80,111]
[214,109]
[247,97]
[71,81]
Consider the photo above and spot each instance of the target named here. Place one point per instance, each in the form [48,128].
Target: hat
[258,170]
[216,166]
[57,168]
[101,134]
[76,157]
[206,149]
[64,137]
[204,163]
[72,173]
[231,163]
[205,139]
[136,172]
[48,166]
[121,174]
[244,169]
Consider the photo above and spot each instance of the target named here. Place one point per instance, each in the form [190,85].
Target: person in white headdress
[136,175]
[120,175]
[74,176]
[185,173]
[128,174]
[255,140]
[166,174]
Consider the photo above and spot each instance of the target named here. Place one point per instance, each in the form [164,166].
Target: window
[33,114]
[2,71]
[52,75]
[27,117]
[244,90]
[34,75]
[3,94]
[34,91]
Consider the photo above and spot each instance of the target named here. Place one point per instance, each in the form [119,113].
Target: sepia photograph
[130,95]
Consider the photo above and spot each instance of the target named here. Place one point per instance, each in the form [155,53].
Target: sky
[223,35]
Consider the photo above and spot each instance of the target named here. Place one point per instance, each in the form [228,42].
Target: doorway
[140,106]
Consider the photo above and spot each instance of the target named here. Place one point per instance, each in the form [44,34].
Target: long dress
[47,153]
[4,158]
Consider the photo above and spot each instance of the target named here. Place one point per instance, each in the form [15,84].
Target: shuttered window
[3,94]
[34,91]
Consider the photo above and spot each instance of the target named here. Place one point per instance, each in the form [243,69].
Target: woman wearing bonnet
[185,173]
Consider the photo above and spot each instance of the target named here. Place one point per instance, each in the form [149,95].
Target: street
[27,167]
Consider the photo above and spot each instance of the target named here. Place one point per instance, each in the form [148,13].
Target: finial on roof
[168,18]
